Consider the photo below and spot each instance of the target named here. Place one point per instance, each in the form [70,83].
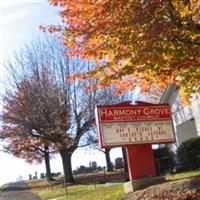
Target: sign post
[136,127]
[140,161]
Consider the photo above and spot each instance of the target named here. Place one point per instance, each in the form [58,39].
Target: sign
[120,125]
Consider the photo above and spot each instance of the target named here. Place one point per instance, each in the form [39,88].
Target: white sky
[19,20]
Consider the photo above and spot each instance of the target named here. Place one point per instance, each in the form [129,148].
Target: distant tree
[108,161]
[164,160]
[125,159]
[140,42]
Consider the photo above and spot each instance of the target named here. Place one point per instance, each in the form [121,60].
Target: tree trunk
[47,164]
[108,161]
[125,160]
[125,164]
[67,166]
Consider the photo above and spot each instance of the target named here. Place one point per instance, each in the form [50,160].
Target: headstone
[35,175]
[30,177]
[94,165]
[42,175]
[118,163]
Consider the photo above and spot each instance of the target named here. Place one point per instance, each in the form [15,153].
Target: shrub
[189,154]
[164,159]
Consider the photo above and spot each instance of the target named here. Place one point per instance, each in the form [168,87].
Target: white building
[186,119]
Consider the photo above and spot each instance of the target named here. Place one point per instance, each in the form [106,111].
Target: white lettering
[110,113]
[104,112]
[156,111]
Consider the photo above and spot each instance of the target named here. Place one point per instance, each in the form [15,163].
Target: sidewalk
[17,191]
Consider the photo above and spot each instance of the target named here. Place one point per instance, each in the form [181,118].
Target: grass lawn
[183,175]
[48,191]
[82,192]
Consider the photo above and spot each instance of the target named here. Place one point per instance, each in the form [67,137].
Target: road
[17,191]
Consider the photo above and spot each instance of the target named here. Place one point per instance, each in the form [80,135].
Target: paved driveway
[17,191]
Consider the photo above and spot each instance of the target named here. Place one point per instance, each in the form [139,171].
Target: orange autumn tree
[135,42]
[19,142]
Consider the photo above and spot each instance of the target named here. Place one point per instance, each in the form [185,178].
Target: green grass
[43,183]
[83,192]
[183,175]
[48,191]
[36,181]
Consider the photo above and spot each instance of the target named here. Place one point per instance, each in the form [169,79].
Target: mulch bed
[185,189]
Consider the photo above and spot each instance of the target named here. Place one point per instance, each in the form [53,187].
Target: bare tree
[43,102]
